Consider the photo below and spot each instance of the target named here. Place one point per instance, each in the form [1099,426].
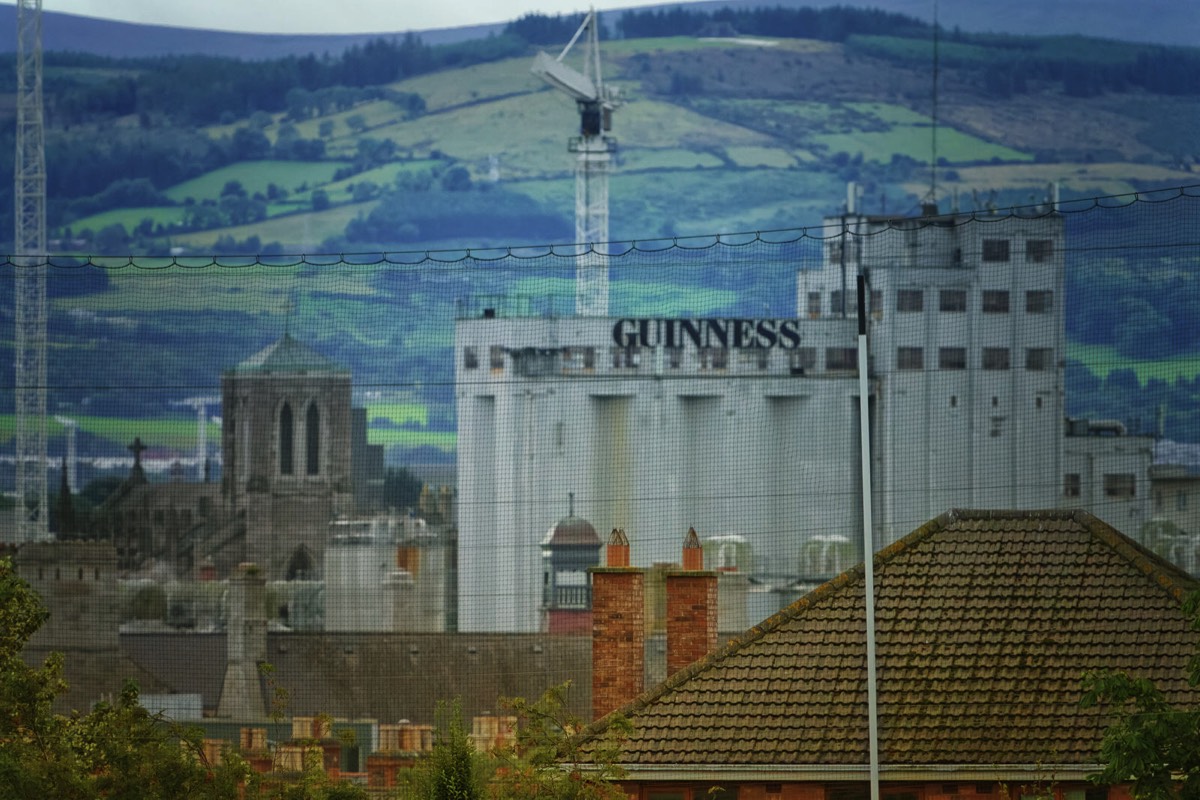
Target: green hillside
[749,133]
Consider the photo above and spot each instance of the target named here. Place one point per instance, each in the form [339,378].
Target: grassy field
[1101,360]
[674,158]
[914,141]
[301,233]
[255,176]
[177,433]
[773,157]
[129,217]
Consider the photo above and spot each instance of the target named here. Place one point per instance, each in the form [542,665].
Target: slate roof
[985,624]
[288,356]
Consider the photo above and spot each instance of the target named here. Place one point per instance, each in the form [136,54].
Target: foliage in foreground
[548,759]
[116,750]
[1151,744]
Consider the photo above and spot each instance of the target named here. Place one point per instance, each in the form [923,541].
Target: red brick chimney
[691,608]
[618,629]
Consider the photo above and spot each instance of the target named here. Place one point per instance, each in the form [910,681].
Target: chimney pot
[693,554]
[617,552]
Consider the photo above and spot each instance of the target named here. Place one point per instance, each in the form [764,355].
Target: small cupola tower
[569,549]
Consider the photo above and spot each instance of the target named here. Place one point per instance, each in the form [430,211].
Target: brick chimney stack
[618,629]
[691,608]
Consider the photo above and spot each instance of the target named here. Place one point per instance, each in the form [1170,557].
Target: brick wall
[691,617]
[618,650]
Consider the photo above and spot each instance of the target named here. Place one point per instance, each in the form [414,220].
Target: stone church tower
[286,448]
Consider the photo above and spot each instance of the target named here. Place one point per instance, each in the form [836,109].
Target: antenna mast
[30,280]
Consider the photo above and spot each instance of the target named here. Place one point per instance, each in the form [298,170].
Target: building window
[910,358]
[1039,301]
[841,358]
[995,358]
[814,304]
[995,301]
[1039,249]
[714,358]
[754,357]
[910,300]
[1181,501]
[470,358]
[802,359]
[876,301]
[995,249]
[626,357]
[312,441]
[674,357]
[589,358]
[1121,485]
[952,358]
[1039,359]
[286,440]
[1072,485]
[496,357]
[953,300]
[835,303]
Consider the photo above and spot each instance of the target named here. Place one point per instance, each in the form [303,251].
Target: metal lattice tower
[30,280]
[593,161]
[592,166]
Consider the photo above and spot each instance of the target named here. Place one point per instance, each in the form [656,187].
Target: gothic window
[312,441]
[286,441]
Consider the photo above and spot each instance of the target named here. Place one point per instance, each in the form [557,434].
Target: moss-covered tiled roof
[986,622]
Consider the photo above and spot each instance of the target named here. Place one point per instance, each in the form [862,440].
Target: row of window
[992,301]
[991,250]
[1037,359]
[800,359]
[1118,485]
[1036,250]
[584,358]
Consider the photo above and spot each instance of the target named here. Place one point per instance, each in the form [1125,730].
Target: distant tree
[248,145]
[356,123]
[325,129]
[233,189]
[112,240]
[456,179]
[320,200]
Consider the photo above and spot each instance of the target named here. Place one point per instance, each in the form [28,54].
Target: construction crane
[29,294]
[594,151]
[200,405]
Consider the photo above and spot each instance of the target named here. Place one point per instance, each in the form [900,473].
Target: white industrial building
[748,427]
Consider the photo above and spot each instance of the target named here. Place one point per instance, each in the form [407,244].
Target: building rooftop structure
[288,355]
[986,621]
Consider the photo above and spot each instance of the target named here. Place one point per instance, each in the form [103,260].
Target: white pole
[864,435]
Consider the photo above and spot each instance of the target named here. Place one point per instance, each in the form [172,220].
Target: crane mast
[30,280]
[593,161]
